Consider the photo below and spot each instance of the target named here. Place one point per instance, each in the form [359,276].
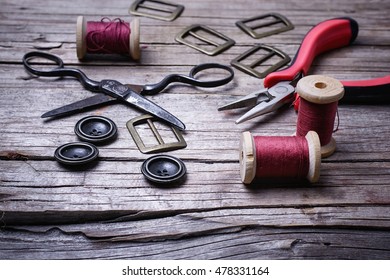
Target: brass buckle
[157,9]
[162,146]
[250,68]
[275,19]
[194,31]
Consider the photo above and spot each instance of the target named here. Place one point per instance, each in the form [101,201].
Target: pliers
[279,87]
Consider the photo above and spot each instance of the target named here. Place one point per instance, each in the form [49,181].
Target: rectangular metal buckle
[194,31]
[275,19]
[162,146]
[156,9]
[271,52]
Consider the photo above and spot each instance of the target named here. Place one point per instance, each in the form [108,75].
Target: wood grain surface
[110,211]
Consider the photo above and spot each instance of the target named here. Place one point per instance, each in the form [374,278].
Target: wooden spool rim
[247,158]
[320,89]
[313,142]
[135,51]
[328,149]
[81,46]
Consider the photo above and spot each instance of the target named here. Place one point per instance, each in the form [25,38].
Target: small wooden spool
[320,89]
[134,38]
[248,160]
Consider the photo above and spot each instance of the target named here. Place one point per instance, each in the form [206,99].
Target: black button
[95,129]
[163,169]
[76,153]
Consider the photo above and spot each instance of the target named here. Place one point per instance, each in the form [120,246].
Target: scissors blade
[140,102]
[79,106]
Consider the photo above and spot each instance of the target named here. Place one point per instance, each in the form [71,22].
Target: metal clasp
[162,146]
[156,9]
[270,54]
[196,30]
[281,22]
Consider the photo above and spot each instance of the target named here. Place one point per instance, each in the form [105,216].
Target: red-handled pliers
[280,86]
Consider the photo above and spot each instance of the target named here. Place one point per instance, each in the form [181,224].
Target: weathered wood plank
[113,185]
[146,226]
[260,243]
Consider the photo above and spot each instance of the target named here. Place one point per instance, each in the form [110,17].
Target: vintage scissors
[279,87]
[115,91]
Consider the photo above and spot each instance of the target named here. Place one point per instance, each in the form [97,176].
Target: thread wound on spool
[107,37]
[294,157]
[318,108]
[316,117]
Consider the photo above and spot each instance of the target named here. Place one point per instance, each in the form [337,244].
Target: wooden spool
[320,89]
[248,158]
[134,38]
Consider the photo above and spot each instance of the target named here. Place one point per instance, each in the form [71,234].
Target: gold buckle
[162,146]
[156,9]
[195,30]
[250,68]
[275,19]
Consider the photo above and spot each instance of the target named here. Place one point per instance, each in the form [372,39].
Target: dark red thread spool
[295,157]
[319,96]
[108,37]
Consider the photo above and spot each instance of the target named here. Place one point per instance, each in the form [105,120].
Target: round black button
[95,129]
[163,169]
[76,153]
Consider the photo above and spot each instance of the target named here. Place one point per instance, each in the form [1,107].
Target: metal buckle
[276,19]
[250,68]
[194,31]
[162,146]
[162,10]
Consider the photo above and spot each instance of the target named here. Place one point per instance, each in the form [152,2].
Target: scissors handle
[191,80]
[59,71]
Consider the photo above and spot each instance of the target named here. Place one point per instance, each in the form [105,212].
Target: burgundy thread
[284,157]
[108,36]
[317,117]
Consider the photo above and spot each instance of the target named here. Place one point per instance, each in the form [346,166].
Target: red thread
[278,156]
[108,36]
[317,117]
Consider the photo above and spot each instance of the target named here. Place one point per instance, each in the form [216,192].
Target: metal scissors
[279,87]
[115,91]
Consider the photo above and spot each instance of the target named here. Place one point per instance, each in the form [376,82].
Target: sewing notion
[204,39]
[265,53]
[270,24]
[156,9]
[319,96]
[281,157]
[162,145]
[108,37]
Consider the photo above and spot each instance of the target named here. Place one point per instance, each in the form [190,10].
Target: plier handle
[325,36]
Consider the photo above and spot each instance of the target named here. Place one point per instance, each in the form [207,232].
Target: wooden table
[111,211]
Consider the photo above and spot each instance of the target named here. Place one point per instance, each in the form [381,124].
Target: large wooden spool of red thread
[114,37]
[319,96]
[295,157]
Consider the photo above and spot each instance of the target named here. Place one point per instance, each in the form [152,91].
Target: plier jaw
[263,101]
